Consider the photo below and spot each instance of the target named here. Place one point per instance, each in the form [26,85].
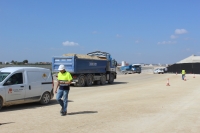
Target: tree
[13,62]
[25,61]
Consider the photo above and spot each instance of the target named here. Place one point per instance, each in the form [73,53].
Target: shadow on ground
[1,124]
[82,112]
[96,85]
[28,106]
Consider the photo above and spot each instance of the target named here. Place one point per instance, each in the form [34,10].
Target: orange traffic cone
[168,82]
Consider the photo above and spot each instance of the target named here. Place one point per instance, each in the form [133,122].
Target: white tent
[190,59]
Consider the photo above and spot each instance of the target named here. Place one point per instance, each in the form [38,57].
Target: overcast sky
[135,31]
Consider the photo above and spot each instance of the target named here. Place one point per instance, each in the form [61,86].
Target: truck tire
[103,80]
[1,103]
[45,99]
[89,80]
[97,82]
[111,79]
[81,81]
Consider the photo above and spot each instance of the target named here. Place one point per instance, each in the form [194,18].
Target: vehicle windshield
[136,66]
[3,75]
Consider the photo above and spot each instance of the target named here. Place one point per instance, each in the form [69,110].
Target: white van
[25,84]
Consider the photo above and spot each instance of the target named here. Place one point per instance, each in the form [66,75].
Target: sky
[134,31]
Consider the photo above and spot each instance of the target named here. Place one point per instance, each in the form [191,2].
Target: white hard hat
[61,67]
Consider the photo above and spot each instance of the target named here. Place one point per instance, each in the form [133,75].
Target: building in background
[190,64]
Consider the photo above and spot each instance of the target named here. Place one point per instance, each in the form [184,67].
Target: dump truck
[93,68]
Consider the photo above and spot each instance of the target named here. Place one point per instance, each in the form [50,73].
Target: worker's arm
[68,82]
[58,84]
[65,82]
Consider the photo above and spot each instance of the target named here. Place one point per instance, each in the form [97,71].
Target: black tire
[111,79]
[1,103]
[89,80]
[81,81]
[97,82]
[45,99]
[103,80]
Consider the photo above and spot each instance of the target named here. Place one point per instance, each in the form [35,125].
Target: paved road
[135,103]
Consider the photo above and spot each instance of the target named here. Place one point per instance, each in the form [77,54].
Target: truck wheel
[97,82]
[1,103]
[45,98]
[103,80]
[111,79]
[89,80]
[81,81]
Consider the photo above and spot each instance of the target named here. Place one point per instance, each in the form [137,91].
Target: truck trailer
[93,68]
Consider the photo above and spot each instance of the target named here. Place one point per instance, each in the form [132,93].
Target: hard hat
[61,67]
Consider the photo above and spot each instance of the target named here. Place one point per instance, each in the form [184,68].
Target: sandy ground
[135,103]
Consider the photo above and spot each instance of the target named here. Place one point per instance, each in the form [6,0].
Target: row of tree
[16,62]
[24,62]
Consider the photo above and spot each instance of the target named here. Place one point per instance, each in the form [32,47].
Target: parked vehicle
[25,84]
[94,68]
[159,71]
[126,69]
[135,68]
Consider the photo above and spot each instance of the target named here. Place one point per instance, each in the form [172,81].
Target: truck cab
[130,69]
[136,68]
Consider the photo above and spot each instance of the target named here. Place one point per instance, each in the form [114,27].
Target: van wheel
[1,103]
[89,80]
[111,79]
[81,81]
[103,80]
[45,98]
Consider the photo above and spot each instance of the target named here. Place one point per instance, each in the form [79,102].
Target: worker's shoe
[63,113]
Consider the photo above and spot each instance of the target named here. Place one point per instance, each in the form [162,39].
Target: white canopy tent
[190,59]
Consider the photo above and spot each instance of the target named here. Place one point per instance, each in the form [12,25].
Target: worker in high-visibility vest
[64,81]
[183,74]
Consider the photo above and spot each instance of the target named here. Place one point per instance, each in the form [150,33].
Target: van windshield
[3,75]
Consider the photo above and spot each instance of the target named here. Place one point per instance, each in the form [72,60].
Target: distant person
[64,81]
[183,74]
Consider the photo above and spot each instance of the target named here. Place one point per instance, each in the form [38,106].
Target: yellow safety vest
[64,76]
[183,71]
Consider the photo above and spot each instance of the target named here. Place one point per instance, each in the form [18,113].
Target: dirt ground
[135,103]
